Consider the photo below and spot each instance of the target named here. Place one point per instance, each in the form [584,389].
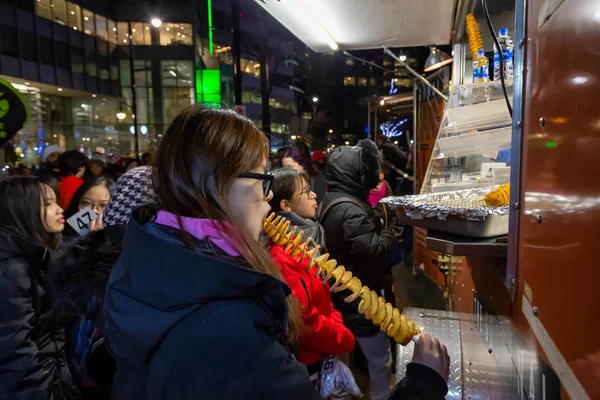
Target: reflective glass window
[42,8]
[101,27]
[74,16]
[88,22]
[59,11]
[112,31]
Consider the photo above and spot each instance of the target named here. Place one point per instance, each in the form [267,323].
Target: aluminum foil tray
[459,212]
[466,204]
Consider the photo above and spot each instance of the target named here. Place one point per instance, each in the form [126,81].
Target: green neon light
[208,87]
[210,28]
[551,145]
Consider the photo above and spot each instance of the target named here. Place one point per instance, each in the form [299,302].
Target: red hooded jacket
[325,333]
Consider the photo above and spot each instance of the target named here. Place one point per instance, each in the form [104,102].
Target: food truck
[520,273]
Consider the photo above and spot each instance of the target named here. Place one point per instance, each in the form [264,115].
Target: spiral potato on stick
[388,318]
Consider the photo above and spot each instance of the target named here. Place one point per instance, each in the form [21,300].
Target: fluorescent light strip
[330,41]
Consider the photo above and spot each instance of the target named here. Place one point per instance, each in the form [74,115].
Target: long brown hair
[200,156]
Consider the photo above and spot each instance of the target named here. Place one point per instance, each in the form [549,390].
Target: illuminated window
[387,63]
[42,8]
[372,82]
[88,22]
[349,81]
[59,11]
[122,35]
[101,27]
[250,67]
[112,31]
[74,16]
[147,35]
[362,81]
[137,33]
[172,34]
[349,61]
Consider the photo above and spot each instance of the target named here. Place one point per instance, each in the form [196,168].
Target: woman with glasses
[325,334]
[195,307]
[95,194]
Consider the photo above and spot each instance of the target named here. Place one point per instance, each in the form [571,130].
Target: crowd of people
[175,292]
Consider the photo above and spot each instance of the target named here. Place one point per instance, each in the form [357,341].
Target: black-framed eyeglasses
[267,180]
[308,191]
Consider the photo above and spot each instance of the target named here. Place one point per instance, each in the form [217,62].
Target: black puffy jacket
[185,324]
[32,362]
[353,232]
[78,278]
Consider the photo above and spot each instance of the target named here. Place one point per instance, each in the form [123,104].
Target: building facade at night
[71,61]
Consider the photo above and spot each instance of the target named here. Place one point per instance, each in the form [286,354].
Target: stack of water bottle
[481,62]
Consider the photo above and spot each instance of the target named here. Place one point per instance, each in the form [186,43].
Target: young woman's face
[96,169]
[289,162]
[304,201]
[248,203]
[96,198]
[51,213]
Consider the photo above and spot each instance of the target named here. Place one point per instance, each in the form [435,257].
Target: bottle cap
[480,52]
[503,31]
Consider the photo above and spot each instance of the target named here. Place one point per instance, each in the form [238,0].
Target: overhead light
[147,28]
[144,129]
[72,12]
[93,95]
[27,83]
[172,72]
[60,89]
[167,29]
[156,23]
[124,40]
[114,29]
[331,131]
[315,99]
[132,130]
[121,115]
[74,28]
[436,59]
[347,143]
[86,18]
[402,57]
[382,102]
[293,137]
[133,30]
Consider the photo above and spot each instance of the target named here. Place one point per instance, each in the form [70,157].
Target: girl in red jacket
[325,334]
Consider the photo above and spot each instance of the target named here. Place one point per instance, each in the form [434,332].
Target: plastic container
[475,143]
[506,45]
[481,68]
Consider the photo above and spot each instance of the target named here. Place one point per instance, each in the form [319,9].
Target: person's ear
[285,205]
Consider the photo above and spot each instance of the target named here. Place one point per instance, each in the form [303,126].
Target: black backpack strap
[322,212]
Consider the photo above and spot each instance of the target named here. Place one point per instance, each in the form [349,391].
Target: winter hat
[53,148]
[133,189]
[318,155]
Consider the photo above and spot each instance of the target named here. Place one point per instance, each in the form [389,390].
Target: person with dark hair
[31,340]
[49,162]
[297,158]
[195,306]
[95,194]
[146,157]
[72,169]
[394,160]
[132,163]
[355,238]
[79,276]
[325,334]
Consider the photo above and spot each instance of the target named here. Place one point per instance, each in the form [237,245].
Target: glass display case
[473,145]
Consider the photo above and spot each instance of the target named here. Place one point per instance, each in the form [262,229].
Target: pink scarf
[375,196]
[199,228]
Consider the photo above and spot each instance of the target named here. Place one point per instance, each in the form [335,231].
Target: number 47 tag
[81,221]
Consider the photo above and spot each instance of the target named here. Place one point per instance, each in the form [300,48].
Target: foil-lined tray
[467,204]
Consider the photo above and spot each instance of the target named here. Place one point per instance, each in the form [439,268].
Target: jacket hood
[79,275]
[353,170]
[158,282]
[310,227]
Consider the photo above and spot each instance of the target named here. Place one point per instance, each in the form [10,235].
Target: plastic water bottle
[481,68]
[506,45]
